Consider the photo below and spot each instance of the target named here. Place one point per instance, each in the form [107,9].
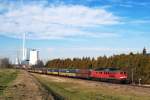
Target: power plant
[30,56]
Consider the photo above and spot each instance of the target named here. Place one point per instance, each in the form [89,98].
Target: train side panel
[83,73]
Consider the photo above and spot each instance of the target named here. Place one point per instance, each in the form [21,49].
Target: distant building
[17,62]
[144,51]
[33,57]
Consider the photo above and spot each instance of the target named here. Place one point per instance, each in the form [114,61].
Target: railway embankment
[25,87]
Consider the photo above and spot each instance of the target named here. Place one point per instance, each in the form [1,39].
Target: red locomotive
[109,74]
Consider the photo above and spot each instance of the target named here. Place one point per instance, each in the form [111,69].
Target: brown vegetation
[25,87]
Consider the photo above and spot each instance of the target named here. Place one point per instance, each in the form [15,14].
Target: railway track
[143,86]
[102,82]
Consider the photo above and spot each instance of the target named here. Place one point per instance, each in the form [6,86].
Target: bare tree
[4,63]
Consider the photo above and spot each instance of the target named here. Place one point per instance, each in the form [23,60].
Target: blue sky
[74,28]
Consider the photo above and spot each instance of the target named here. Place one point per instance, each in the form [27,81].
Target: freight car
[102,74]
[83,73]
[53,71]
[68,72]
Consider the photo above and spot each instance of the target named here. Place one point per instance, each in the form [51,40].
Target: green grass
[6,77]
[64,91]
[74,91]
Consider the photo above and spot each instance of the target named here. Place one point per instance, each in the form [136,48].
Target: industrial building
[34,56]
[29,56]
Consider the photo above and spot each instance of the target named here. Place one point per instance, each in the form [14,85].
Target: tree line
[5,63]
[136,65]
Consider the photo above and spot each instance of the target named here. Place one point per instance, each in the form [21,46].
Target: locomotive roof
[107,69]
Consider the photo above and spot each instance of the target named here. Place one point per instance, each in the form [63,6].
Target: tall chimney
[23,47]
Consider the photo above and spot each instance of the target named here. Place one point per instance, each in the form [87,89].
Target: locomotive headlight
[123,77]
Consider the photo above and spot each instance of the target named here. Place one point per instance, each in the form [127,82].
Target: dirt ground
[25,87]
[118,88]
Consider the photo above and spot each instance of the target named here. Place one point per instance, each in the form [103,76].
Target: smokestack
[23,47]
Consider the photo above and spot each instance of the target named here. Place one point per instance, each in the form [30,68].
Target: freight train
[101,74]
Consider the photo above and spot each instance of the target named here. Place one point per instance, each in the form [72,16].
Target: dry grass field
[76,89]
[23,86]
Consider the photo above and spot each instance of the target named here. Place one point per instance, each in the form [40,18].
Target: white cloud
[125,50]
[47,22]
